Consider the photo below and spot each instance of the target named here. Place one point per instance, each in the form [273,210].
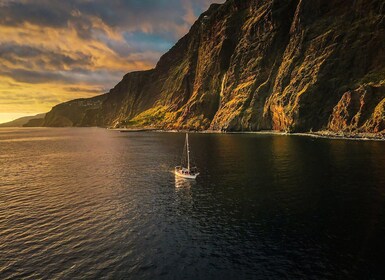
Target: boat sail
[189,172]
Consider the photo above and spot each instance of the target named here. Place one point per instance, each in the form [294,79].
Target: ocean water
[91,203]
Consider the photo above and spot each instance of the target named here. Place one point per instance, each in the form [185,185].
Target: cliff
[295,65]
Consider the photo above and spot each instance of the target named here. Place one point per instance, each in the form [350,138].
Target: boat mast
[188,153]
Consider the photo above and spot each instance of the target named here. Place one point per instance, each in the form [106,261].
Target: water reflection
[183,189]
[93,203]
[183,183]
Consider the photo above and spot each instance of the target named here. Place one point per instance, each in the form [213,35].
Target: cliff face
[294,65]
[75,113]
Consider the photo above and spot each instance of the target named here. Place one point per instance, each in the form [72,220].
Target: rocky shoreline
[318,134]
[347,135]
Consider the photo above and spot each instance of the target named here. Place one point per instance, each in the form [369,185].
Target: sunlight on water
[93,203]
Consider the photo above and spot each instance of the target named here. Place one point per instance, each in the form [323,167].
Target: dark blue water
[92,203]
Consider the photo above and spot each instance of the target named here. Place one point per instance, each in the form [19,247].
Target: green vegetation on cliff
[291,65]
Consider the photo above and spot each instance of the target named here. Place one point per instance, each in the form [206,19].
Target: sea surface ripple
[96,204]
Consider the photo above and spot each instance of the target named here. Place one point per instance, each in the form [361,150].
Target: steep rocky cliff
[294,65]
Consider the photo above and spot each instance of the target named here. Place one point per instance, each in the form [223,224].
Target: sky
[52,51]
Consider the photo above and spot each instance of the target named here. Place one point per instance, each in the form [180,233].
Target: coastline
[318,134]
[325,134]
[344,135]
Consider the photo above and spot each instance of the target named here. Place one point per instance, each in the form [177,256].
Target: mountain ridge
[36,120]
[294,66]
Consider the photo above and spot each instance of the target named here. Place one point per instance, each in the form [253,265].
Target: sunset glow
[55,51]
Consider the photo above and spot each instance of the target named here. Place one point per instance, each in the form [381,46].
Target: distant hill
[24,121]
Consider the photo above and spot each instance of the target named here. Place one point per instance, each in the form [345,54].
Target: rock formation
[294,65]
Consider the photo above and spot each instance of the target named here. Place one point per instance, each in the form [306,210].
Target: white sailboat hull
[186,176]
[185,173]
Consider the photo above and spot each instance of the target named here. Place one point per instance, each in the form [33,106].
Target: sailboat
[187,172]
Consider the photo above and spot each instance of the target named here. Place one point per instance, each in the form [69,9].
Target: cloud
[80,48]
[166,17]
[37,58]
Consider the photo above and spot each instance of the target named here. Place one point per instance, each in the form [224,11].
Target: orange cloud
[52,52]
[56,65]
